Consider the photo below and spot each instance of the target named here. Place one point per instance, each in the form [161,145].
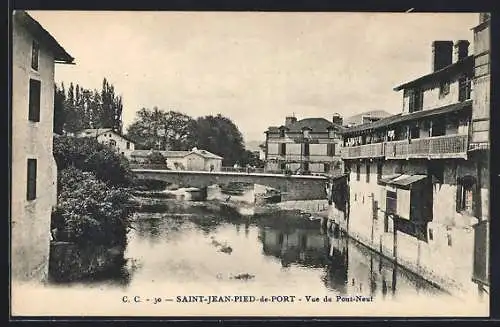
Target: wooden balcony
[436,147]
[363,151]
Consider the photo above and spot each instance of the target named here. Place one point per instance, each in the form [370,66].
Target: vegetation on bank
[93,193]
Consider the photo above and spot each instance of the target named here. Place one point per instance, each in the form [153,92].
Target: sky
[253,67]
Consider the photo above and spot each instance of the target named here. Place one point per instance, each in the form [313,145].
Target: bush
[156,158]
[89,155]
[89,210]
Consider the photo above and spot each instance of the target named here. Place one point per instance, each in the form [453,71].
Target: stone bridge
[293,188]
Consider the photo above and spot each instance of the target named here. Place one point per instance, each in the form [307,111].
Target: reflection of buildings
[303,247]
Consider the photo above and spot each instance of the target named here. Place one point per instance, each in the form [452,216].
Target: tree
[252,159]
[219,135]
[157,129]
[59,110]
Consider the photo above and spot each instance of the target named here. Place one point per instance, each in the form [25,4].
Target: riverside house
[33,168]
[310,145]
[108,136]
[194,160]
[418,180]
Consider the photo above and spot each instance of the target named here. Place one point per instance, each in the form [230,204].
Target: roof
[399,118]
[95,132]
[42,35]
[314,124]
[356,119]
[402,180]
[464,64]
[175,154]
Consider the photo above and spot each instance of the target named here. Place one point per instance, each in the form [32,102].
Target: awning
[402,180]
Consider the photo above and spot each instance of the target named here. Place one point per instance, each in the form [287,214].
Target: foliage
[157,129]
[88,210]
[251,158]
[219,135]
[156,158]
[79,108]
[89,155]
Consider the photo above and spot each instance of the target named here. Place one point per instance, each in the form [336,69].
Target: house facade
[194,160]
[108,136]
[417,190]
[310,145]
[33,169]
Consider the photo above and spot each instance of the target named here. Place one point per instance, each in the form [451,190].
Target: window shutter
[459,195]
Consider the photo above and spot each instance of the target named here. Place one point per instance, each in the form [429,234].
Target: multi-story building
[117,141]
[310,145]
[33,169]
[416,189]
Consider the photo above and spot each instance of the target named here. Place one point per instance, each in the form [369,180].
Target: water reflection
[282,251]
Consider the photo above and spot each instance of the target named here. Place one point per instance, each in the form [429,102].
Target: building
[34,172]
[417,190]
[120,143]
[310,145]
[366,118]
[194,160]
[262,151]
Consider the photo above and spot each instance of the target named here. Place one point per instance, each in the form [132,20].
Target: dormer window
[282,132]
[305,133]
[331,133]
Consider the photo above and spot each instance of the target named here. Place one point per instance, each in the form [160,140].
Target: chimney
[290,120]
[442,53]
[461,50]
[484,16]
[337,119]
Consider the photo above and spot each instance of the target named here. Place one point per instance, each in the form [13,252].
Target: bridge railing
[243,170]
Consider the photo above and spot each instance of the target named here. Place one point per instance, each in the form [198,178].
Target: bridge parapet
[292,187]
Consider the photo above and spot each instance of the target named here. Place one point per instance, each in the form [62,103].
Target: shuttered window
[35,50]
[31,181]
[34,100]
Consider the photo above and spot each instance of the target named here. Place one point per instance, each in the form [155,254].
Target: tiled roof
[399,118]
[315,124]
[94,132]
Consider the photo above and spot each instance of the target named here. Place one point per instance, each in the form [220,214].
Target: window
[282,149]
[414,132]
[449,240]
[34,101]
[306,149]
[306,133]
[282,132]
[465,194]
[35,51]
[444,88]
[379,171]
[358,172]
[112,142]
[331,133]
[326,168]
[431,236]
[435,170]
[31,181]
[330,149]
[391,202]
[128,145]
[283,166]
[415,98]
[463,89]
[368,173]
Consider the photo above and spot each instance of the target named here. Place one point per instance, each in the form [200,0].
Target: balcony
[436,147]
[363,151]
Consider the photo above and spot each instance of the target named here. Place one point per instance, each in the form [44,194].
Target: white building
[33,169]
[107,136]
[194,160]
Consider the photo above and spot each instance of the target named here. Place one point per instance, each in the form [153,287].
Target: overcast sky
[253,67]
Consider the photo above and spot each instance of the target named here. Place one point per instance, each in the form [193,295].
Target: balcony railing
[363,151]
[447,146]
